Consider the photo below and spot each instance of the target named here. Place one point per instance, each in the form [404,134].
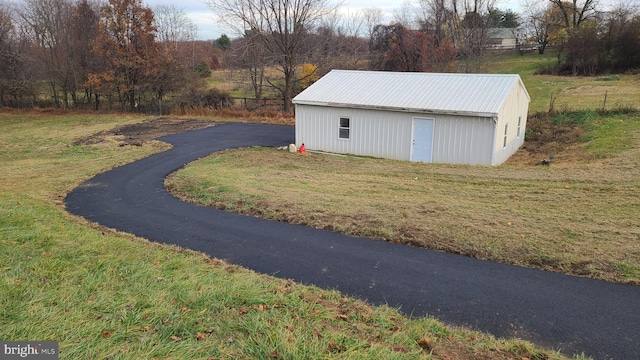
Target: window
[519,122]
[344,128]
[506,127]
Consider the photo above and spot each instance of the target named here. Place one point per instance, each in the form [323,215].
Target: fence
[253,103]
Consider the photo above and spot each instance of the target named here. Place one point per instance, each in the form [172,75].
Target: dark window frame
[344,128]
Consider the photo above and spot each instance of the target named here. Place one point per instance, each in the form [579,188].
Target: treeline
[588,40]
[121,54]
[111,55]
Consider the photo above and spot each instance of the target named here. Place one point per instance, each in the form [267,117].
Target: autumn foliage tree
[126,38]
[398,48]
[308,75]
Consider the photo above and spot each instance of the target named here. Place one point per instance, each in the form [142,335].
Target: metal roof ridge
[417,73]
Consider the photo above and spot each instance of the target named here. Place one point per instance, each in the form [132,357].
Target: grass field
[569,93]
[103,294]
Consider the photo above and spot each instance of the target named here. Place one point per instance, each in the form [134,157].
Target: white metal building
[476,119]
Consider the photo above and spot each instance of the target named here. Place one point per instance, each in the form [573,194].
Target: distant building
[503,38]
[476,119]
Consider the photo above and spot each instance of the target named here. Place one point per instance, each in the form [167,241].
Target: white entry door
[422,142]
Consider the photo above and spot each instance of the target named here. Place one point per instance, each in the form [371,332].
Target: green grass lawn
[103,294]
[569,93]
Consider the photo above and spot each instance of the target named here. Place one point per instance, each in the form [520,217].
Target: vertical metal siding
[385,134]
[515,105]
[372,133]
[462,140]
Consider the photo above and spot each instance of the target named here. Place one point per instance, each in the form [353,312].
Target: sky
[208,28]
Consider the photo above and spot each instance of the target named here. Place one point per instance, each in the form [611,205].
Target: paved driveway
[569,314]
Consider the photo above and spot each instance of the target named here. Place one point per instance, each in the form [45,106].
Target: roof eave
[399,109]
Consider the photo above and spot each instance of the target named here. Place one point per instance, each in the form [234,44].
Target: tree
[281,27]
[575,12]
[497,18]
[84,30]
[596,42]
[47,23]
[308,75]
[248,52]
[371,17]
[173,26]
[544,24]
[621,35]
[436,18]
[126,39]
[351,49]
[223,42]
[396,49]
[172,69]
[583,50]
[463,24]
[10,62]
[472,33]
[402,49]
[405,14]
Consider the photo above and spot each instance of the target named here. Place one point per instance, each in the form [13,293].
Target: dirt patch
[138,134]
[545,140]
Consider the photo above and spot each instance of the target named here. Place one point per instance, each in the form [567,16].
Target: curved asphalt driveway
[569,314]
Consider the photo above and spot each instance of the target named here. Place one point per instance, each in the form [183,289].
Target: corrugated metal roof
[465,94]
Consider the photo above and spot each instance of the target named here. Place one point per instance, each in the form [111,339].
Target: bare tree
[575,12]
[48,24]
[19,69]
[280,25]
[248,52]
[435,18]
[173,68]
[352,48]
[405,14]
[472,32]
[336,43]
[372,17]
[9,58]
[6,52]
[540,22]
[173,25]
